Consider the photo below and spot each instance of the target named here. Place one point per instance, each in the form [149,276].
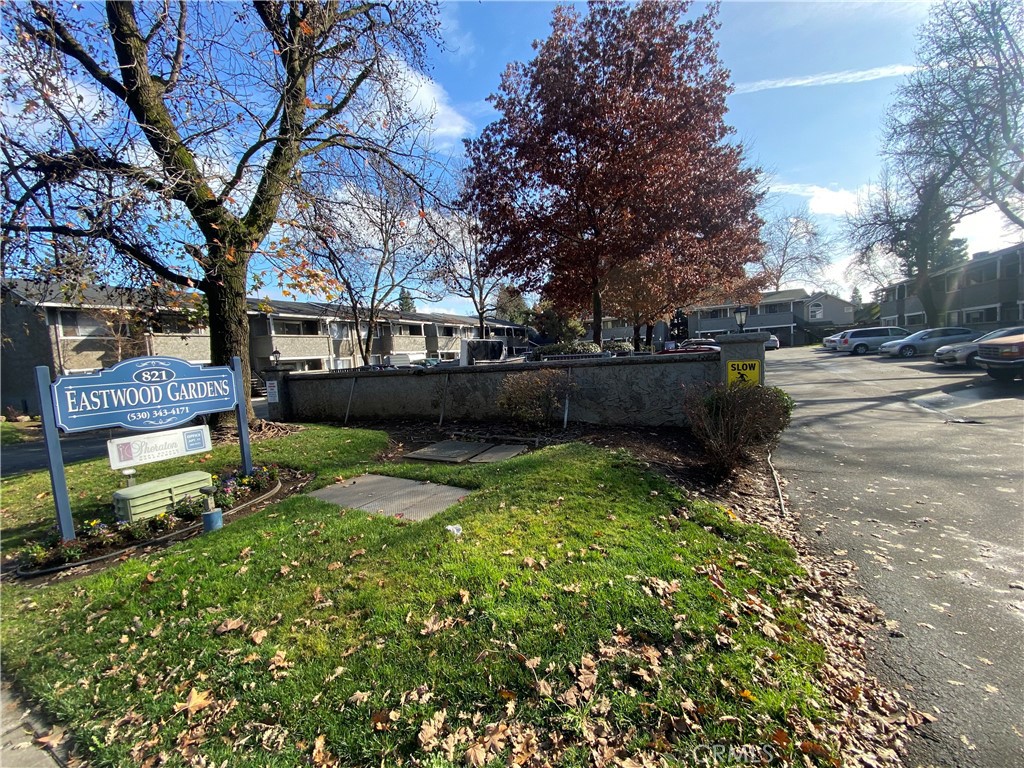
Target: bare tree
[373,238]
[170,136]
[795,249]
[463,265]
[964,106]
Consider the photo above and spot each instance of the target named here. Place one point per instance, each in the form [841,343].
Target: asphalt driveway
[916,473]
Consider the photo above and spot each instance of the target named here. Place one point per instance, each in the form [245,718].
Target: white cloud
[822,200]
[828,78]
[428,99]
[987,230]
[460,44]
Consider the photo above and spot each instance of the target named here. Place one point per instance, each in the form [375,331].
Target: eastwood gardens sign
[144,393]
[141,394]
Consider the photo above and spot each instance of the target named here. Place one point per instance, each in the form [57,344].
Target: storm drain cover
[453,451]
[392,496]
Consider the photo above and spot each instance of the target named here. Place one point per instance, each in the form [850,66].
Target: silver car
[964,352]
[927,340]
[860,341]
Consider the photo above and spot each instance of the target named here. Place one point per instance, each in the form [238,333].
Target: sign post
[142,394]
[240,417]
[58,481]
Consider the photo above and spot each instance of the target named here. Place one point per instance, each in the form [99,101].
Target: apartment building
[984,293]
[795,316]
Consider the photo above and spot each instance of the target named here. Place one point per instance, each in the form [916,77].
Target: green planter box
[146,500]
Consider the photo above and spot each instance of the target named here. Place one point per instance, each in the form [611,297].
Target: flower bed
[105,534]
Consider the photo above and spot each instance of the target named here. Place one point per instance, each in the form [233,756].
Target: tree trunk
[649,336]
[636,337]
[927,298]
[598,317]
[229,329]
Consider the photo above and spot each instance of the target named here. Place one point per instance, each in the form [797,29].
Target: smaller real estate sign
[157,446]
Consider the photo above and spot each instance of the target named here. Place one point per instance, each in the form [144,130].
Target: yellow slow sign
[744,372]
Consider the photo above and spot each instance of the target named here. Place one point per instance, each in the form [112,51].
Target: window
[176,324]
[917,318]
[774,309]
[713,314]
[953,282]
[81,324]
[982,315]
[338,331]
[985,274]
[817,312]
[364,327]
[296,327]
[1011,266]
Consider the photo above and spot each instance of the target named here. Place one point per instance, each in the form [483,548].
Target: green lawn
[587,609]
[12,433]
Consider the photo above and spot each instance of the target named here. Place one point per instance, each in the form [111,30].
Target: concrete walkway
[392,496]
[20,726]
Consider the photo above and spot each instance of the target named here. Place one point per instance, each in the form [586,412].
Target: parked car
[772,343]
[927,340]
[1002,359]
[830,342]
[860,341]
[964,352]
[691,347]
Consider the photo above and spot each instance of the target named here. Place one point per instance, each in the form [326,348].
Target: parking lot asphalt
[916,473]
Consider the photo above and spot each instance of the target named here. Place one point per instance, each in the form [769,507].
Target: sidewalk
[20,726]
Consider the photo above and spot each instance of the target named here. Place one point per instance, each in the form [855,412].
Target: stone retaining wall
[642,391]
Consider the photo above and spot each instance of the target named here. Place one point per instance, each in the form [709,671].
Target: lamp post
[740,313]
[275,358]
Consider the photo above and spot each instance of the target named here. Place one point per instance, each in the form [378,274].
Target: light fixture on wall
[740,313]
[275,358]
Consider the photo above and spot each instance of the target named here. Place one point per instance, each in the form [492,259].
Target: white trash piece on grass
[455,529]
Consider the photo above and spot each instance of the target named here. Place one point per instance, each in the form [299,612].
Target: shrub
[578,347]
[619,346]
[729,421]
[534,397]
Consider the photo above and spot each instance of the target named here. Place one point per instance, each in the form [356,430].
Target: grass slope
[588,614]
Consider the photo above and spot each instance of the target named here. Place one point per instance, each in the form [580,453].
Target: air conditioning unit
[146,500]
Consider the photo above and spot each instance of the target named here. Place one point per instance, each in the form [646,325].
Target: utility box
[146,500]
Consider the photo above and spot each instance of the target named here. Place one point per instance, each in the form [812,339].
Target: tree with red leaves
[612,150]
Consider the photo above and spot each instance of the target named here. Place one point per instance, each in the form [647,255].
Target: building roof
[43,293]
[55,295]
[977,258]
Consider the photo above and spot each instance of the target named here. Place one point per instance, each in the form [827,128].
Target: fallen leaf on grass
[258,636]
[229,625]
[196,702]
[321,756]
[357,553]
[359,697]
[334,566]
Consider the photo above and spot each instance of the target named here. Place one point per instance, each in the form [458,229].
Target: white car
[831,342]
[772,343]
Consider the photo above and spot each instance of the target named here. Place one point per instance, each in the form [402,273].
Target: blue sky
[812,80]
